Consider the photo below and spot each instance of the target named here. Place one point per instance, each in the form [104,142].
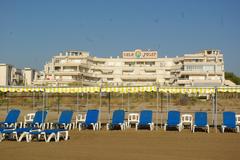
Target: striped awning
[73,90]
[173,90]
[229,89]
[130,89]
[192,90]
[21,89]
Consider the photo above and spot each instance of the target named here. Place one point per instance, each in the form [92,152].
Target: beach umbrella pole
[58,103]
[109,106]
[213,109]
[157,112]
[122,102]
[215,106]
[161,109]
[100,104]
[87,100]
[7,101]
[77,102]
[44,103]
[128,102]
[33,100]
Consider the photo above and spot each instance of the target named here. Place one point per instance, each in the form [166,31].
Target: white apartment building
[201,69]
[11,76]
[28,76]
[134,68]
[5,72]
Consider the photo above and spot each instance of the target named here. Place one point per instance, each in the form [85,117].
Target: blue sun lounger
[200,121]
[20,133]
[10,122]
[2,132]
[64,120]
[48,134]
[14,133]
[91,120]
[174,120]
[60,130]
[118,120]
[11,119]
[229,121]
[30,133]
[145,120]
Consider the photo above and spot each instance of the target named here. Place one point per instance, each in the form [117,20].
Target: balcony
[201,72]
[67,73]
[138,77]
[184,81]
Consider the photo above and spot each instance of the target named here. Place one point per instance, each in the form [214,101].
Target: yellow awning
[173,90]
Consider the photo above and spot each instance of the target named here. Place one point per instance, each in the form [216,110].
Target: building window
[150,71]
[69,68]
[149,63]
[209,52]
[140,63]
[57,68]
[199,68]
[129,64]
[57,61]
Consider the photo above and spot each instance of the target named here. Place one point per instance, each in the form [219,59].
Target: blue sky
[32,31]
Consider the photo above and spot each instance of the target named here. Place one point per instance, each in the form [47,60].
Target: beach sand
[129,144]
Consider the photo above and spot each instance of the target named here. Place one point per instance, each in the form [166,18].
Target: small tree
[232,77]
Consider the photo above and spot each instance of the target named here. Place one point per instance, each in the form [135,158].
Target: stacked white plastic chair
[133,118]
[187,119]
[28,119]
[80,118]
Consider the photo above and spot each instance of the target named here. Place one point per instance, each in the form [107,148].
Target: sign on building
[139,54]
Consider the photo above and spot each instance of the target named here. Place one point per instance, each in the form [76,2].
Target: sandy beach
[129,144]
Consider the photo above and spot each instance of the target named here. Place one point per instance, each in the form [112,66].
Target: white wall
[3,75]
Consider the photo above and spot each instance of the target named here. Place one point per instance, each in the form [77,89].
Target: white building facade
[9,75]
[12,76]
[134,68]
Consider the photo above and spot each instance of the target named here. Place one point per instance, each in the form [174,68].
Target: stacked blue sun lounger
[118,120]
[91,120]
[200,121]
[20,133]
[48,134]
[11,119]
[58,130]
[64,121]
[10,122]
[145,120]
[229,122]
[173,121]
[36,129]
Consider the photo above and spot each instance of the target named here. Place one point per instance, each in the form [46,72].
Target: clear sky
[32,31]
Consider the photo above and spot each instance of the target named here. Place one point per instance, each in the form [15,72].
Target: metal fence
[214,101]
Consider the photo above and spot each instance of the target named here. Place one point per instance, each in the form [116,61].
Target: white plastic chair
[28,118]
[133,118]
[187,119]
[238,119]
[80,118]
